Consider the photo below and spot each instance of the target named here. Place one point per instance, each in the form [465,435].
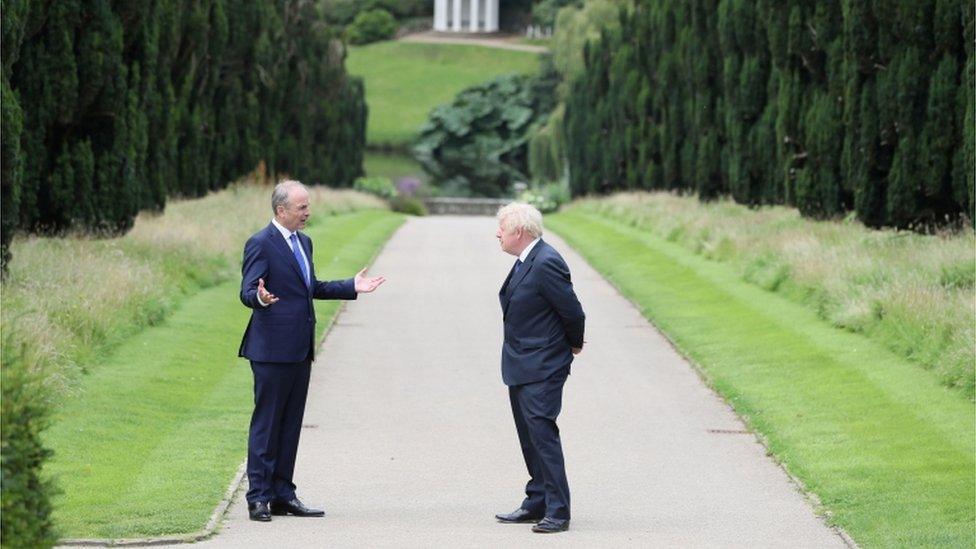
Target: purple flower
[406,186]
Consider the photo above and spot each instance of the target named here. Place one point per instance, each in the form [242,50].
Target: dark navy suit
[543,321]
[280,343]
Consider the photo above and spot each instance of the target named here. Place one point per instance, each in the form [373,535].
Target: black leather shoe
[519,516]
[294,507]
[551,526]
[258,510]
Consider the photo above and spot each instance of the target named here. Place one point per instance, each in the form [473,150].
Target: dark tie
[298,256]
[518,265]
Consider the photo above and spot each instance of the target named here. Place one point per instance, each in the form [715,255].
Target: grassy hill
[404,81]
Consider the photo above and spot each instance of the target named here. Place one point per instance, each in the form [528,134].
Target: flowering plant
[546,198]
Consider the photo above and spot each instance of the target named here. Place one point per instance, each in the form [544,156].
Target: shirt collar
[281,228]
[525,252]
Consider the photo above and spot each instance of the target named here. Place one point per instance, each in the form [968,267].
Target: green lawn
[888,450]
[153,436]
[404,81]
[392,165]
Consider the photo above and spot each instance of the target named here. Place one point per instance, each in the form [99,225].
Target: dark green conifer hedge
[111,107]
[108,108]
[829,106]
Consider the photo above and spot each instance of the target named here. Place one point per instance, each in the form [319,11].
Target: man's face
[510,240]
[294,213]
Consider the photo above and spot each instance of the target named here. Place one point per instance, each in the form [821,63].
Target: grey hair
[519,215]
[279,196]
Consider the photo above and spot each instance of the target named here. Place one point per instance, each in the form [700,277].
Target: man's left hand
[365,284]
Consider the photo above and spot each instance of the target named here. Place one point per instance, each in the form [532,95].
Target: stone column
[491,15]
[456,22]
[440,15]
[475,16]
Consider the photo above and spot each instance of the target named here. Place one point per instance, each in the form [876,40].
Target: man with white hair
[543,323]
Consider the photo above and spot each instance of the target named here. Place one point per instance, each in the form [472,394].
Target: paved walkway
[409,440]
[504,42]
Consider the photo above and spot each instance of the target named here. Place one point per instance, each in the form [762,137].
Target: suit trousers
[535,407]
[280,390]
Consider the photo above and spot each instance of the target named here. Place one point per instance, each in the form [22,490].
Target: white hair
[279,196]
[519,215]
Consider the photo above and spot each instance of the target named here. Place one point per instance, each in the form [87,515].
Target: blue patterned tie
[298,256]
[518,265]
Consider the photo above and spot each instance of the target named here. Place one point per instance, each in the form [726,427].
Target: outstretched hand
[366,284]
[264,295]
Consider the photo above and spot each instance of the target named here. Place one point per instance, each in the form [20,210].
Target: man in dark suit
[543,323]
[280,343]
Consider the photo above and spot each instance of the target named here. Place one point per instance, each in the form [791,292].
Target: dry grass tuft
[69,299]
[913,292]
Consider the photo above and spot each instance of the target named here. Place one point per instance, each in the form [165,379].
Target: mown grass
[887,449]
[912,293]
[404,81]
[150,441]
[393,166]
[72,299]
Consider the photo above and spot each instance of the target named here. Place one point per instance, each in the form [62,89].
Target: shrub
[25,519]
[408,186]
[371,26]
[378,186]
[547,198]
[478,145]
[544,11]
[401,8]
[546,149]
[342,12]
[574,28]
[408,205]
[400,197]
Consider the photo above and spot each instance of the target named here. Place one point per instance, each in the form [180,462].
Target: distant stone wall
[464,206]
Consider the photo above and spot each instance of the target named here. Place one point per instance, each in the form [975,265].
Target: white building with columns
[466,15]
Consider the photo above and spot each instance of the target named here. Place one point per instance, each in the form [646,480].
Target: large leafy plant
[477,145]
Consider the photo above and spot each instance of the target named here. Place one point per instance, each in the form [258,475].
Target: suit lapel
[516,278]
[287,255]
[503,293]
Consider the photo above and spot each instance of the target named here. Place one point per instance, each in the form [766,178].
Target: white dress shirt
[286,234]
[525,252]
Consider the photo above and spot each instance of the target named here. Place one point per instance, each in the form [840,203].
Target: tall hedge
[830,106]
[111,107]
[108,108]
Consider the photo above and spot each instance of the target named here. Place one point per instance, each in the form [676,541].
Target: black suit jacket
[542,316]
[284,331]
